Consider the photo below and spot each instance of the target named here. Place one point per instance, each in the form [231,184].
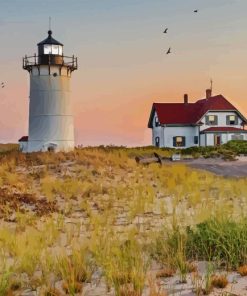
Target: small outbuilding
[23,142]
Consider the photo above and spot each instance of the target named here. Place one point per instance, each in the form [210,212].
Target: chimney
[186,99]
[208,93]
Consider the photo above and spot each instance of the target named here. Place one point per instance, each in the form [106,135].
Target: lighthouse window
[54,49]
[60,49]
[47,49]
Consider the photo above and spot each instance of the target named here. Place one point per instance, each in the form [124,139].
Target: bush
[237,146]
[228,151]
[223,241]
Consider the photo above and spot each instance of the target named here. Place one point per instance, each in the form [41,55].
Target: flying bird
[169,50]
[165,30]
[3,84]
[196,10]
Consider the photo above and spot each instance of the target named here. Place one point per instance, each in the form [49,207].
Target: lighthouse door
[50,147]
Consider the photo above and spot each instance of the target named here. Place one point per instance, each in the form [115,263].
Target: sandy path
[220,167]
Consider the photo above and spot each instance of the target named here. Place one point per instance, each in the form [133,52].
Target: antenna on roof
[211,85]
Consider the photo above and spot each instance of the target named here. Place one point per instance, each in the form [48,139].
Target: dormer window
[211,120]
[232,120]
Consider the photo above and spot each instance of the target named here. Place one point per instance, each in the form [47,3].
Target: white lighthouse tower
[51,126]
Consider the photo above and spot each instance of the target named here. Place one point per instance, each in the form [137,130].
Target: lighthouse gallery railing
[70,62]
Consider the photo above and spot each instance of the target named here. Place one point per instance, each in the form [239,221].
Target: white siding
[221,119]
[209,139]
[166,133]
[23,146]
[225,137]
[50,111]
[189,132]
[158,131]
[203,140]
[222,122]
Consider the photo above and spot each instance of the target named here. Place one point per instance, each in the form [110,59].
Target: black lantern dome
[50,50]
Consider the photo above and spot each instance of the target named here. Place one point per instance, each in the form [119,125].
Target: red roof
[190,113]
[23,139]
[224,129]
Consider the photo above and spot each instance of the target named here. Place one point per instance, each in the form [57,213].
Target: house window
[157,141]
[178,141]
[157,121]
[231,120]
[237,137]
[211,120]
[196,140]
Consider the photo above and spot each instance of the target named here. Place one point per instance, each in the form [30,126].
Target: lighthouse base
[53,146]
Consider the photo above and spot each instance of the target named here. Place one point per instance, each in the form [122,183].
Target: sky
[123,66]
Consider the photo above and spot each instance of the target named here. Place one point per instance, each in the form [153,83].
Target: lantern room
[50,51]
[50,46]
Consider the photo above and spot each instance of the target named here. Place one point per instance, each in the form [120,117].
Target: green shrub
[238,146]
[221,241]
[224,241]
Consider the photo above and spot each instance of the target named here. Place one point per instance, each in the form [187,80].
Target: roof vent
[208,93]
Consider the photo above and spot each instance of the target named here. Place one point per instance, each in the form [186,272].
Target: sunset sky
[123,67]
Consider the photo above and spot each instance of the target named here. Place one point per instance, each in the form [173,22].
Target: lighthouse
[51,126]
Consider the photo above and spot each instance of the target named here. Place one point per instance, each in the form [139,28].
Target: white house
[208,122]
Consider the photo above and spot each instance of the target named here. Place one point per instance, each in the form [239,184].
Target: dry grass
[191,267]
[102,212]
[8,148]
[242,270]
[165,272]
[155,288]
[72,288]
[48,291]
[219,281]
